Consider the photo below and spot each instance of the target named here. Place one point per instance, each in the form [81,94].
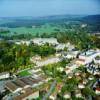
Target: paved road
[50,90]
[2,84]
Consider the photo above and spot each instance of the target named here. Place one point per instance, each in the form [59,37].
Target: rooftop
[89,53]
[98,88]
[11,86]
[25,93]
[45,40]
[21,83]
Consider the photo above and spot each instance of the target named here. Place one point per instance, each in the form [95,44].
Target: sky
[13,8]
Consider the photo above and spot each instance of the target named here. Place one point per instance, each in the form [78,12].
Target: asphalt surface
[50,90]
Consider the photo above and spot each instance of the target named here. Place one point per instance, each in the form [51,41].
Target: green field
[24,73]
[33,31]
[41,29]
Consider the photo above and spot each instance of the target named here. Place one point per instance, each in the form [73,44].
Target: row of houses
[84,58]
[43,41]
[38,41]
[90,59]
[27,93]
[18,84]
[82,84]
[26,87]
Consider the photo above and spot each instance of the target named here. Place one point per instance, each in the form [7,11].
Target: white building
[22,42]
[46,61]
[79,62]
[97,91]
[89,55]
[97,60]
[81,86]
[4,75]
[53,96]
[61,46]
[67,95]
[70,68]
[42,41]
[78,94]
[84,25]
[71,54]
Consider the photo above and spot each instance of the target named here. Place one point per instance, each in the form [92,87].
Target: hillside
[29,21]
[93,21]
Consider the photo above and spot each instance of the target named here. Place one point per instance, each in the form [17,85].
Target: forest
[14,57]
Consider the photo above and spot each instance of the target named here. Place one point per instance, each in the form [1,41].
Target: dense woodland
[14,57]
[80,38]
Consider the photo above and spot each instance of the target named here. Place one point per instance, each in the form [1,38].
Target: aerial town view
[49,49]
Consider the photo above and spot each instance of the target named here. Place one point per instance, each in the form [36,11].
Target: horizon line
[50,15]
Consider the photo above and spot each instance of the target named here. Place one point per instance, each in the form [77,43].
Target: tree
[88,92]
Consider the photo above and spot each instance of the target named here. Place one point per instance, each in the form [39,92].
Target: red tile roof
[98,88]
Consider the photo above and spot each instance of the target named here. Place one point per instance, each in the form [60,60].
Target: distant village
[80,74]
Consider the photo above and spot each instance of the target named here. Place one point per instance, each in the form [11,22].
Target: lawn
[42,29]
[46,28]
[24,73]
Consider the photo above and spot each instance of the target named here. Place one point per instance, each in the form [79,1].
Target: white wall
[32,96]
[3,76]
